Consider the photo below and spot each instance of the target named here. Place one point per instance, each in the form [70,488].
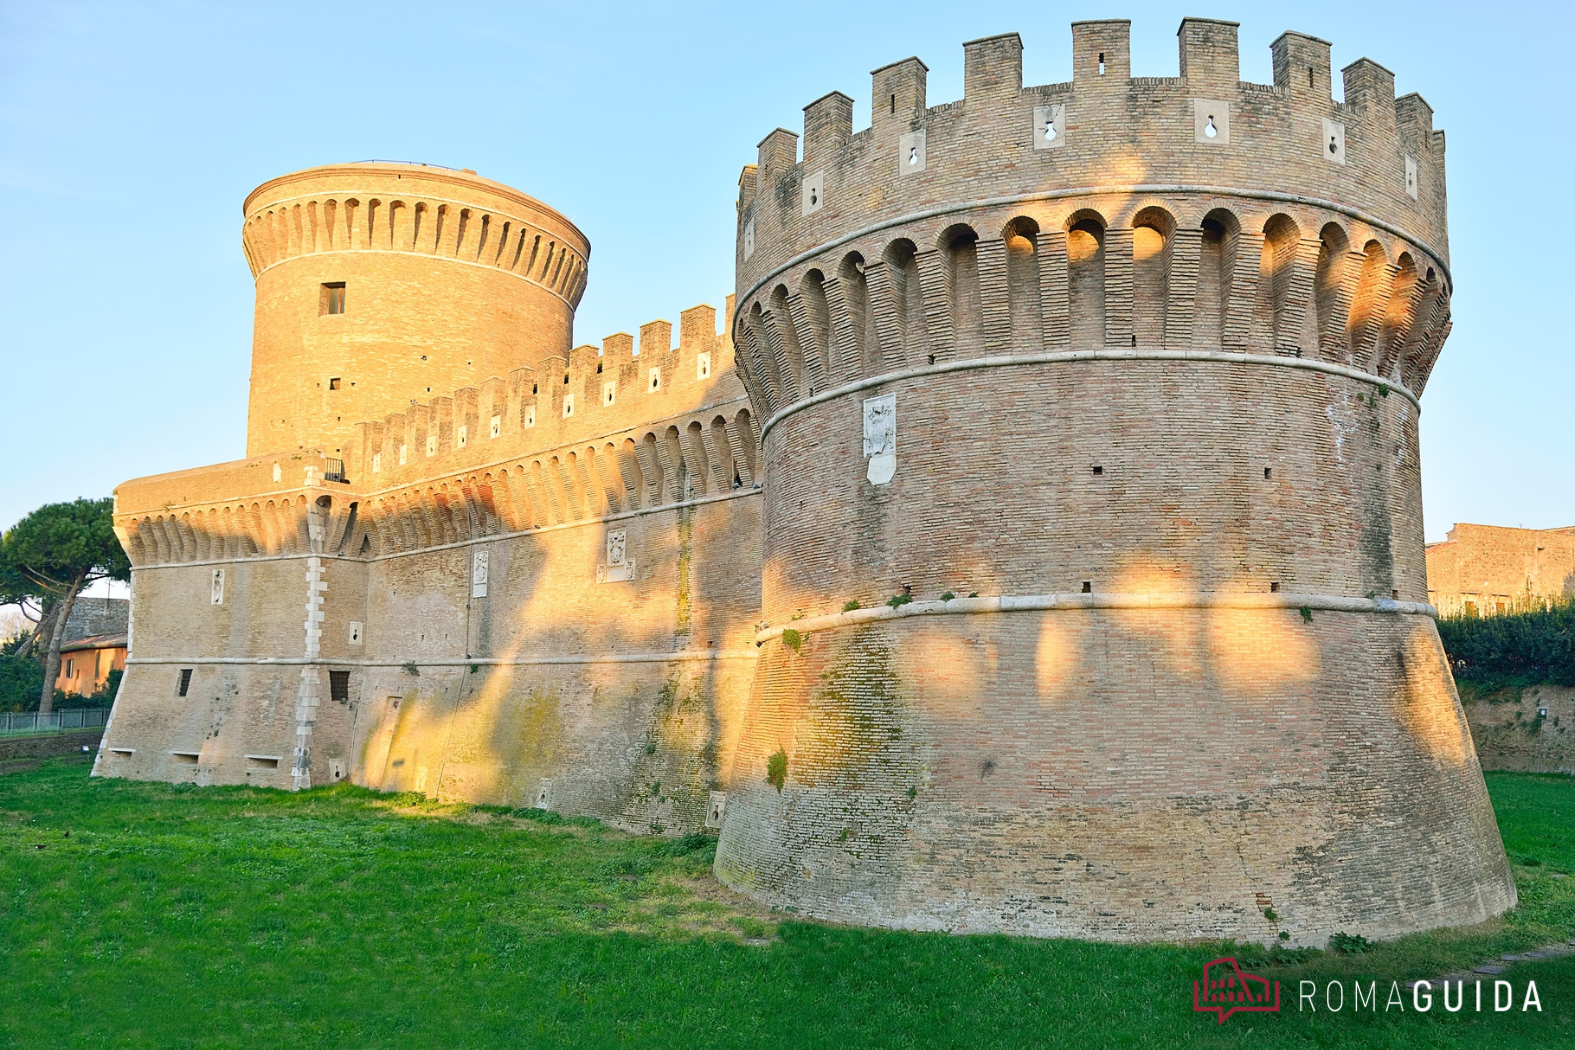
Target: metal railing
[334,469]
[31,723]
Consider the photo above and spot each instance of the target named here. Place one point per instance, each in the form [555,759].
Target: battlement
[379,282]
[1151,214]
[415,208]
[592,393]
[1102,130]
[507,446]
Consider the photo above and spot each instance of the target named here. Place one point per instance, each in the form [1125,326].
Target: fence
[29,723]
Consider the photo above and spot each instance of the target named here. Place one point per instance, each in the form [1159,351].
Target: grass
[234,917]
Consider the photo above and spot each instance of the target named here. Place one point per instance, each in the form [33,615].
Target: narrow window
[1088,587]
[333,384]
[339,686]
[1101,63]
[1099,470]
[1274,587]
[69,672]
[1268,472]
[1309,76]
[656,379]
[185,681]
[894,105]
[333,298]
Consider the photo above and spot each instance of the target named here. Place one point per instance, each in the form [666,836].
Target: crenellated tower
[1094,584]
[380,283]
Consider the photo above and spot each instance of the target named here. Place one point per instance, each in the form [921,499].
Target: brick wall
[609,656]
[1151,394]
[1127,410]
[448,279]
[1490,569]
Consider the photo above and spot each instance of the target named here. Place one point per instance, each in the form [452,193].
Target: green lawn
[219,917]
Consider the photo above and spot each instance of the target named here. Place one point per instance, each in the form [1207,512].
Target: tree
[48,557]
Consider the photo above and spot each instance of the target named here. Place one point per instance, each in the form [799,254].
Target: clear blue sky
[130,133]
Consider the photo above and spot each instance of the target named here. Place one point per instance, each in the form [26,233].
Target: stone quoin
[1039,550]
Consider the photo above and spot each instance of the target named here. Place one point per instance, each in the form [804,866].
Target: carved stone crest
[880,437]
[618,567]
[479,567]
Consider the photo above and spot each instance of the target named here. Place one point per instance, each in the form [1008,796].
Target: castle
[1039,550]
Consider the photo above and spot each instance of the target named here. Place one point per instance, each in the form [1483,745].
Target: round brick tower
[1094,590]
[378,283]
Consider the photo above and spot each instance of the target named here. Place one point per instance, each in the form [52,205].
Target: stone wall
[1528,730]
[49,744]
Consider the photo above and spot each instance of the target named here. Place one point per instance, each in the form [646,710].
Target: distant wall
[1485,570]
[49,744]
[1511,734]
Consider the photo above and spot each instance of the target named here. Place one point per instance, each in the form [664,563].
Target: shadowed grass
[220,917]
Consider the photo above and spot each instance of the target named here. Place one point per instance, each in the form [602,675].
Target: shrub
[1348,943]
[792,639]
[21,680]
[897,601]
[849,606]
[776,770]
[1512,650]
[105,697]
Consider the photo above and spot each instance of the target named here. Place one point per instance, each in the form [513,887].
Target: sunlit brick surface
[1156,404]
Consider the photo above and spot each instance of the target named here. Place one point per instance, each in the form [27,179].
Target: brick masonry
[1529,730]
[1485,570]
[1152,395]
[533,585]
[1114,383]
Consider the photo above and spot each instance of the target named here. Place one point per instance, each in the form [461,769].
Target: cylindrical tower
[1094,580]
[378,283]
